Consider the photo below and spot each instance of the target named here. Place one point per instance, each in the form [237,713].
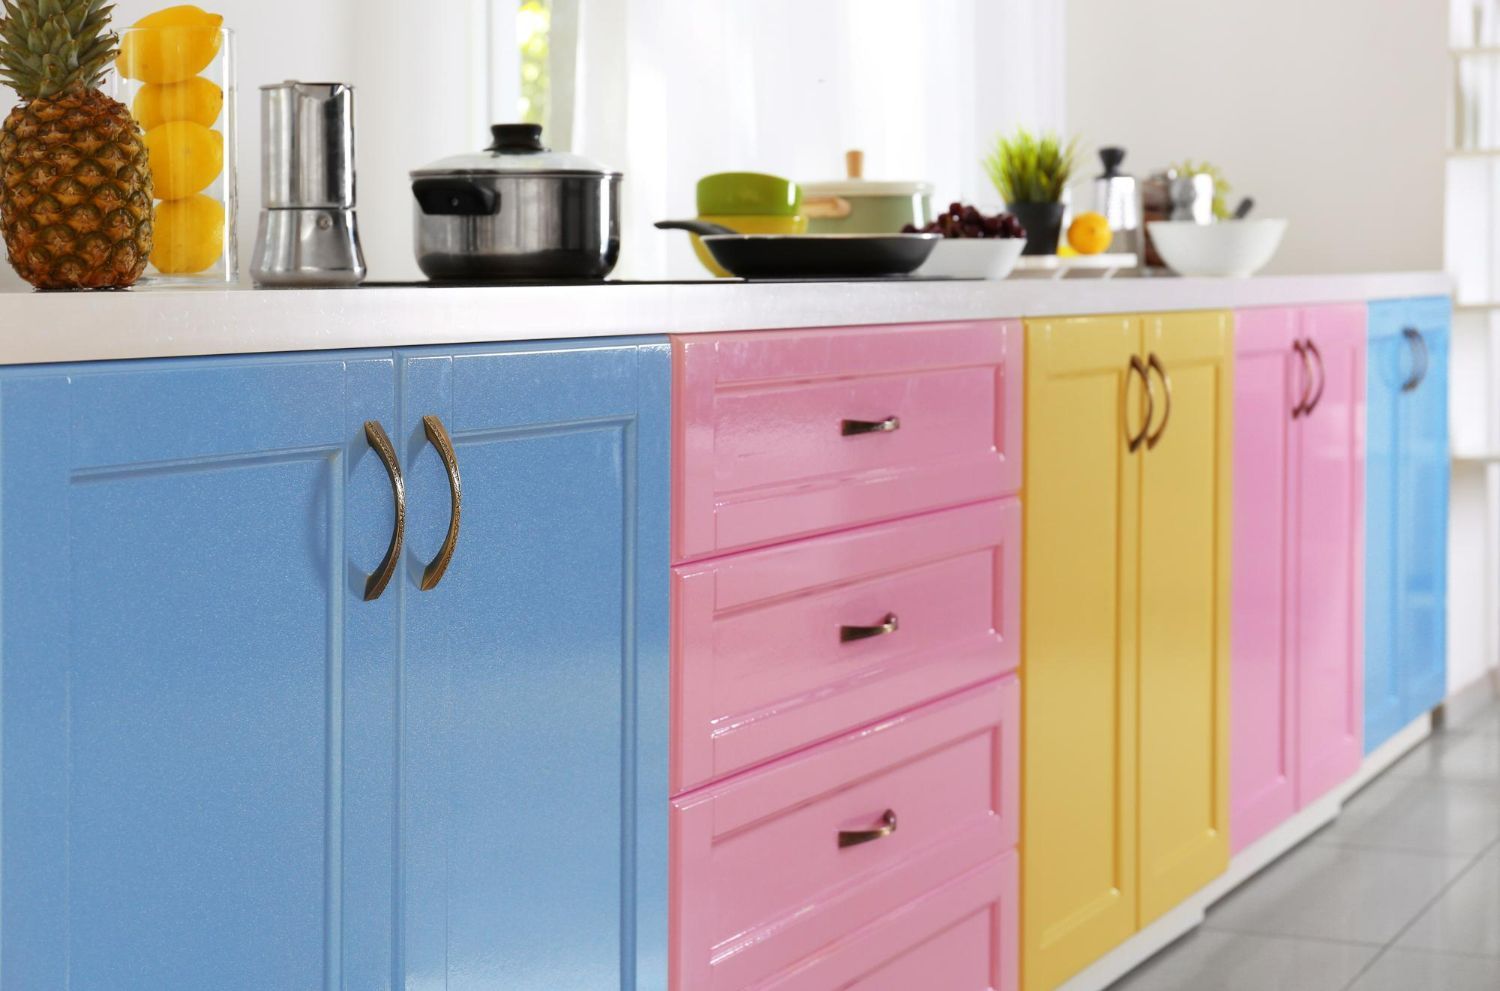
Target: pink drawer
[762,880]
[772,438]
[961,937]
[765,658]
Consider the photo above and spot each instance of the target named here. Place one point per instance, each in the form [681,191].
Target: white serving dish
[973,258]
[1233,248]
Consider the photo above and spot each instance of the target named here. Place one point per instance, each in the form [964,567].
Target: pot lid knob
[854,164]
[516,137]
[1111,157]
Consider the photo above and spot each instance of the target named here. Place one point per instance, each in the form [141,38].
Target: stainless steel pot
[516,211]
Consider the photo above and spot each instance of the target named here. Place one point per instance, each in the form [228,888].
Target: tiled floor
[1401,893]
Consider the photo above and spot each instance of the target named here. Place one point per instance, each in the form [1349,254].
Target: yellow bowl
[746,224]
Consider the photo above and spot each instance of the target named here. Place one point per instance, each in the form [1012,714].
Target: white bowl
[972,258]
[1234,248]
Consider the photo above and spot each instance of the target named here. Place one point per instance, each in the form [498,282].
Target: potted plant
[1031,172]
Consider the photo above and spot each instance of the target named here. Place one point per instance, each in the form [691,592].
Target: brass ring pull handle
[1139,367]
[853,428]
[381,444]
[854,837]
[433,573]
[1420,358]
[1307,378]
[1317,397]
[1155,364]
[887,626]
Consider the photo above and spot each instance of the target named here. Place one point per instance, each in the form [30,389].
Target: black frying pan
[809,256]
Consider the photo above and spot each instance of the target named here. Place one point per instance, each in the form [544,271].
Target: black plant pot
[1043,223]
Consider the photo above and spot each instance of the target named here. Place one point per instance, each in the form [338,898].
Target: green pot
[748,194]
[858,206]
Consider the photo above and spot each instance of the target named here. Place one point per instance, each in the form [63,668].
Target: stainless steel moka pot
[308,235]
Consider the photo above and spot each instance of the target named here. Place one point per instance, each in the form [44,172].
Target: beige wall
[1331,113]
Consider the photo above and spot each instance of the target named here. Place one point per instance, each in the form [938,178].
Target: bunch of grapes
[966,221]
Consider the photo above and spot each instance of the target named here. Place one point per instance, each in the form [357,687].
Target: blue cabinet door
[534,677]
[1407,514]
[196,771]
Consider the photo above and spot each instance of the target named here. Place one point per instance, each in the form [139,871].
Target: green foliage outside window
[533,27]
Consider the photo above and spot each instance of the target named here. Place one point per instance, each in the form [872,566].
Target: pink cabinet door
[1268,381]
[772,868]
[786,434]
[1330,552]
[778,648]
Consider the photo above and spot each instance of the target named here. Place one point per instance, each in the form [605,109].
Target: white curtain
[670,90]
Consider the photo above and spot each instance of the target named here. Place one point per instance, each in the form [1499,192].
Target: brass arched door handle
[376,437]
[438,437]
[1307,379]
[1317,397]
[1139,368]
[1154,363]
[855,837]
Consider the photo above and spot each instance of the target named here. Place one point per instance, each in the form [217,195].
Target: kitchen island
[696,635]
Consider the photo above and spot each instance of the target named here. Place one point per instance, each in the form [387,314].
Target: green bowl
[748,193]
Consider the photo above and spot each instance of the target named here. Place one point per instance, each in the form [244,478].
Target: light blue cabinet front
[534,676]
[221,767]
[1406,514]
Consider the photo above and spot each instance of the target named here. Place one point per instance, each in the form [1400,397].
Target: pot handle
[456,197]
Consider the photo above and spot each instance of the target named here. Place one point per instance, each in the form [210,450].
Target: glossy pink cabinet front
[786,434]
[766,885]
[1297,688]
[767,652]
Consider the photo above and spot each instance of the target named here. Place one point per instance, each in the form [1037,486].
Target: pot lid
[864,187]
[517,149]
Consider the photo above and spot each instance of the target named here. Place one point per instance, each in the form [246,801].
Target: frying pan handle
[699,227]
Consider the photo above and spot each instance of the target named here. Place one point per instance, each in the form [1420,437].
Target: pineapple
[75,180]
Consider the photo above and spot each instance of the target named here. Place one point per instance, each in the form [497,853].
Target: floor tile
[1419,970]
[1320,891]
[1467,917]
[1454,756]
[1217,961]
[1420,815]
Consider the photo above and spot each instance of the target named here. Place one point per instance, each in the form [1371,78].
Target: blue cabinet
[534,676]
[222,766]
[1406,514]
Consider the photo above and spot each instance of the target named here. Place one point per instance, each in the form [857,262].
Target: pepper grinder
[308,235]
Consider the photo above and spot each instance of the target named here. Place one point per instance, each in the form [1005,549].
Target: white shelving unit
[1472,257]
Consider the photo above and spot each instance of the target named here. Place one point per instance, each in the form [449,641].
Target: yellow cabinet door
[1081,506]
[1182,760]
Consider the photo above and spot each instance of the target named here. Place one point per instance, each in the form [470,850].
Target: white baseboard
[1243,866]
[1472,699]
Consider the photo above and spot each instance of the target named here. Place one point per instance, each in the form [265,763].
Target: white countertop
[169,322]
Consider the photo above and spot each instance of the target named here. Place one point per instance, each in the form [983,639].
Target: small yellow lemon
[171,45]
[185,158]
[1089,234]
[198,100]
[189,235]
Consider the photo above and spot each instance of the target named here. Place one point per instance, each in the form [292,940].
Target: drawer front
[774,433]
[763,875]
[961,937]
[779,648]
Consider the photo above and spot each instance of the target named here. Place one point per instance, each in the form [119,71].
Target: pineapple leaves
[49,46]
[1028,168]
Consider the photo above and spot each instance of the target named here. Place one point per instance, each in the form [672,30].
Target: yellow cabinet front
[1125,628]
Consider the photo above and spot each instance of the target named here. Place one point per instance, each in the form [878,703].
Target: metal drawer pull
[439,439]
[376,437]
[854,837]
[1420,358]
[888,626]
[1139,367]
[1307,378]
[1166,413]
[1312,404]
[853,428]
